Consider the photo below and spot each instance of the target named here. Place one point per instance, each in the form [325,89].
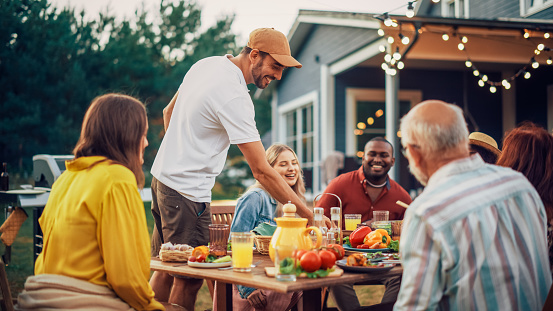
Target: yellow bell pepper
[384,233]
[372,238]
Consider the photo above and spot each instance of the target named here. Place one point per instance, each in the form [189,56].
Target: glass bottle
[318,222]
[4,178]
[336,219]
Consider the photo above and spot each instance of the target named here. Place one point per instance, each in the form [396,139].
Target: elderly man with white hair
[475,239]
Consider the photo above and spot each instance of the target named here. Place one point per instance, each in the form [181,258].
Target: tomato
[338,250]
[310,261]
[298,253]
[192,258]
[201,258]
[328,259]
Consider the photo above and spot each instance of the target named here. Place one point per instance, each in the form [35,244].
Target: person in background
[257,206]
[475,238]
[529,149]
[485,146]
[363,191]
[212,110]
[96,242]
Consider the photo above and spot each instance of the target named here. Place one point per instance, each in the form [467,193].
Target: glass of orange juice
[351,221]
[242,251]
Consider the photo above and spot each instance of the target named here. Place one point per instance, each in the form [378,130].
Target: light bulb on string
[410,10]
[464,39]
[481,83]
[549,61]
[541,46]
[506,84]
[546,35]
[380,32]
[484,78]
[445,37]
[435,1]
[527,75]
[476,73]
[393,61]
[388,57]
[384,66]
[405,40]
[526,34]
[537,52]
[400,65]
[535,64]
[387,20]
[493,89]
[391,40]
[461,46]
[468,63]
[397,55]
[382,48]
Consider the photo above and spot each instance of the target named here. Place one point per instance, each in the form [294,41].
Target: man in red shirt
[363,191]
[369,188]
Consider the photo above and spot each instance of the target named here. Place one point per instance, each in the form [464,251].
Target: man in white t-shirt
[211,110]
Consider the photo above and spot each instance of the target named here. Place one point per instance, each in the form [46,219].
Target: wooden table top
[257,278]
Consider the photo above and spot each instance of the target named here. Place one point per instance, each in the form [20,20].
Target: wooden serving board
[270,272]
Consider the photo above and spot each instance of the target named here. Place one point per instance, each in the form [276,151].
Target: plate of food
[365,250]
[209,265]
[364,267]
[377,257]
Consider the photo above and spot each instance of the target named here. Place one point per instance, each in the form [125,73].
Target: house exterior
[342,97]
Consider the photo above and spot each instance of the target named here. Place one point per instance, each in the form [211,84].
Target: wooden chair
[220,215]
[7,301]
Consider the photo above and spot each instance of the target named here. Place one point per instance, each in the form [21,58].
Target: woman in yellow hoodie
[96,251]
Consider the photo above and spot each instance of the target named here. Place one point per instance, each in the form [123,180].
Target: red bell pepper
[358,235]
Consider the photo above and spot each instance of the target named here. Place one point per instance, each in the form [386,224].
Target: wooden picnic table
[257,278]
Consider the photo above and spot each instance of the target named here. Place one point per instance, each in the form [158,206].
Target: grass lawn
[21,266]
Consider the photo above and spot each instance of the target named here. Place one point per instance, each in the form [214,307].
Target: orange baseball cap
[274,43]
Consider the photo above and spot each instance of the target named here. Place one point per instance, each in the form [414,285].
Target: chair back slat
[7,300]
[222,214]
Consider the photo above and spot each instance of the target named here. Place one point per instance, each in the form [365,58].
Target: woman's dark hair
[114,126]
[529,150]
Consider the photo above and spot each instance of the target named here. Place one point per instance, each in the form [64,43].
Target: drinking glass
[351,221]
[218,239]
[397,225]
[242,251]
[381,215]
[285,262]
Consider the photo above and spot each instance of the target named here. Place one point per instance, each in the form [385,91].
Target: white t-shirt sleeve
[238,118]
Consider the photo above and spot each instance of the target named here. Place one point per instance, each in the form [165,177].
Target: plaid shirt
[475,239]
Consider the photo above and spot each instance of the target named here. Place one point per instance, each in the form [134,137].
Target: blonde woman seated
[96,253]
[256,206]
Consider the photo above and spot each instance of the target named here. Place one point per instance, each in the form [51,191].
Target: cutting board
[270,271]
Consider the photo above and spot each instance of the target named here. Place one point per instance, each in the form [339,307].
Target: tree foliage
[53,62]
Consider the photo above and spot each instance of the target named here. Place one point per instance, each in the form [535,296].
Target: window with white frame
[529,7]
[300,137]
[455,8]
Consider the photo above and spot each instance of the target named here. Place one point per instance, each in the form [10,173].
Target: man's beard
[419,175]
[257,77]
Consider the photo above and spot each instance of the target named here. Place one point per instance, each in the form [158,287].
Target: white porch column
[392,115]
[508,106]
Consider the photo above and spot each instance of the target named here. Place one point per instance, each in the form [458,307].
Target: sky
[250,14]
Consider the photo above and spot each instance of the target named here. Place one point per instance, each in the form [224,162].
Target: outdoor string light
[410,10]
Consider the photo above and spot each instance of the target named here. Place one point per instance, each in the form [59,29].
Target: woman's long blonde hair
[271,154]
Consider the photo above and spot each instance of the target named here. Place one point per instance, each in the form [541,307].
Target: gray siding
[544,14]
[491,9]
[327,44]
